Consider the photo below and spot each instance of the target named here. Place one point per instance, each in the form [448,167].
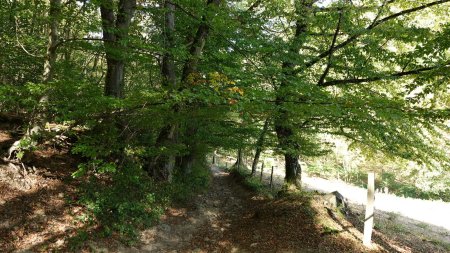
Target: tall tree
[283,127]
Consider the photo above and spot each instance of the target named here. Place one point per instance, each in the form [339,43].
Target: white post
[368,221]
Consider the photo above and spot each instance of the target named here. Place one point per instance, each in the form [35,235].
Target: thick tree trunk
[168,65]
[162,167]
[239,161]
[290,149]
[259,146]
[114,79]
[293,170]
[115,31]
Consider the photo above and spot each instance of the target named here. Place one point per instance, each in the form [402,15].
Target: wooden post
[368,221]
[214,159]
[238,161]
[262,169]
[271,179]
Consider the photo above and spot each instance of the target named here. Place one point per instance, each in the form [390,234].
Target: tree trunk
[197,46]
[238,162]
[162,167]
[168,65]
[290,149]
[259,146]
[114,79]
[190,67]
[115,31]
[293,170]
[50,58]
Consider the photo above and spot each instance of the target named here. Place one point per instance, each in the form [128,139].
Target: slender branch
[62,41]
[327,69]
[378,78]
[366,30]
[18,41]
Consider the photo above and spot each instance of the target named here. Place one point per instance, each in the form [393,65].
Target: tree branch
[327,69]
[378,78]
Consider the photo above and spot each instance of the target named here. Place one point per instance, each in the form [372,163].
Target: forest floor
[38,214]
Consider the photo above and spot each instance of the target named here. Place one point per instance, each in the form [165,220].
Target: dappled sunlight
[37,219]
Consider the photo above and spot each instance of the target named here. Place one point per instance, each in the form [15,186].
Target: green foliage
[76,242]
[330,230]
[125,202]
[183,187]
[21,99]
[25,145]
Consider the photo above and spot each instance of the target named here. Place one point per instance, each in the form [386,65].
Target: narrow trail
[229,218]
[202,225]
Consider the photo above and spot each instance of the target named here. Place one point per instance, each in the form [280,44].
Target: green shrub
[126,201]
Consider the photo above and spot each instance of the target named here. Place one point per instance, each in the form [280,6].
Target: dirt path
[229,218]
[208,217]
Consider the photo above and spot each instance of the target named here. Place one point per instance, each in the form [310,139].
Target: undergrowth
[123,202]
[126,201]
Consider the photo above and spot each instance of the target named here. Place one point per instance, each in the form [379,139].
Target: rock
[334,199]
[59,242]
[254,244]
[39,212]
[61,195]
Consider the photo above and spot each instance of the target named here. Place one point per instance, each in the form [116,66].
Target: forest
[119,113]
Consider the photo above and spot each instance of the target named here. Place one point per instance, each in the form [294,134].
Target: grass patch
[252,183]
[422,225]
[329,230]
